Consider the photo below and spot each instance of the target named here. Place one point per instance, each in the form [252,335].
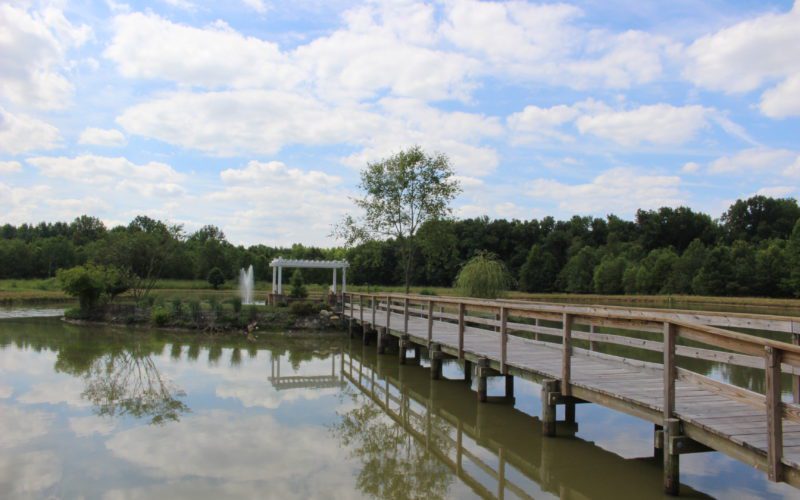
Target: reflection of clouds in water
[25,474]
[261,394]
[60,390]
[27,361]
[5,391]
[20,426]
[86,426]
[302,461]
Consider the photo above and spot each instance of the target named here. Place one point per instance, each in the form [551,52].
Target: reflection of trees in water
[394,464]
[127,383]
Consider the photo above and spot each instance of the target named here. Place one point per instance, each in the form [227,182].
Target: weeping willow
[484,276]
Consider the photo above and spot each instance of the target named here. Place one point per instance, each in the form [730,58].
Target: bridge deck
[718,420]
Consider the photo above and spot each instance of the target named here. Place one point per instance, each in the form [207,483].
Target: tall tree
[760,218]
[401,193]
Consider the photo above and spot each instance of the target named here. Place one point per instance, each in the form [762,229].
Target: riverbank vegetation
[753,249]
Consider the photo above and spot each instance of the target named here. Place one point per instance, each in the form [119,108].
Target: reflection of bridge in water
[496,450]
[301,381]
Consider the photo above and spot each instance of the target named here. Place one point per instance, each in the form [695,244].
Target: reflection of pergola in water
[302,381]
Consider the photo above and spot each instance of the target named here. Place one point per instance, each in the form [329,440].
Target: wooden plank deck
[718,419]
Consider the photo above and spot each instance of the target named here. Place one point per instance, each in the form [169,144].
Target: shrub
[91,282]
[427,291]
[216,307]
[252,313]
[159,316]
[216,277]
[298,290]
[484,276]
[236,302]
[304,308]
[194,309]
[177,308]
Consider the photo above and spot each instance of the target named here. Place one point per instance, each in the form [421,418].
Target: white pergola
[278,264]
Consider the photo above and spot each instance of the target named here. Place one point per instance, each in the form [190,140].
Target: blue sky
[256,116]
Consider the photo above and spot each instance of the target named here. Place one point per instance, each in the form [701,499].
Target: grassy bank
[47,291]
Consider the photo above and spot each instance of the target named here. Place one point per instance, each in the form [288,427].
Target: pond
[98,412]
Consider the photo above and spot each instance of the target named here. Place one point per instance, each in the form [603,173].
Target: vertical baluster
[566,360]
[460,330]
[772,366]
[670,371]
[503,340]
[405,316]
[430,322]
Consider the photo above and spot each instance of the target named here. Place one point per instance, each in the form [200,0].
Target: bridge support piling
[435,353]
[569,413]
[550,388]
[671,457]
[658,442]
[483,369]
[468,372]
[402,348]
[510,389]
[381,341]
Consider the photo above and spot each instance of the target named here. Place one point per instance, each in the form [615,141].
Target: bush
[484,276]
[252,313]
[216,277]
[194,310]
[90,283]
[177,308]
[298,290]
[159,316]
[216,307]
[236,302]
[427,291]
[304,308]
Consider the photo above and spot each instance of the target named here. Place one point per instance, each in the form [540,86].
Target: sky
[257,116]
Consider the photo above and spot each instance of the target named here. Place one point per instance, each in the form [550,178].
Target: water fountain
[246,285]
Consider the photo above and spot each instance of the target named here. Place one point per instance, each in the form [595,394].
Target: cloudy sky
[257,115]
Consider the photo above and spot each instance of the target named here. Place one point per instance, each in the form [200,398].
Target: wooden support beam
[461,328]
[381,340]
[510,388]
[569,413]
[388,312]
[402,345]
[374,309]
[548,409]
[405,316]
[566,360]
[503,340]
[436,361]
[670,371]
[672,427]
[467,371]
[430,322]
[772,361]
[796,378]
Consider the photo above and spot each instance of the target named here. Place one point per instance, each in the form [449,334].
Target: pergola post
[334,281]
[344,279]
[280,280]
[274,278]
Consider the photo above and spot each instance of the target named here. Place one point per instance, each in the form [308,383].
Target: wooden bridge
[625,359]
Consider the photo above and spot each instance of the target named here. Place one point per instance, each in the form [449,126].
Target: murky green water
[94,412]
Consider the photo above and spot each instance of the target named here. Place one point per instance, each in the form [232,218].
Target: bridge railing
[654,334]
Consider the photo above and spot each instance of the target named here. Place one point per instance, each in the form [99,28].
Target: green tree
[686,268]
[655,271]
[539,272]
[401,193]
[608,275]
[578,275]
[716,274]
[771,278]
[298,290]
[484,276]
[89,283]
[216,277]
[761,218]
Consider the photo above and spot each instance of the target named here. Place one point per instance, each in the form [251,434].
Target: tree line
[753,249]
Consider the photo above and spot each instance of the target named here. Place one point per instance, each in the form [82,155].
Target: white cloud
[656,124]
[21,133]
[91,424]
[782,100]
[10,167]
[22,204]
[278,174]
[775,161]
[102,137]
[618,190]
[257,5]
[535,124]
[149,46]
[27,475]
[777,191]
[20,426]
[34,45]
[749,55]
[690,167]
[150,179]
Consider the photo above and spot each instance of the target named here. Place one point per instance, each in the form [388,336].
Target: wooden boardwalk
[701,414]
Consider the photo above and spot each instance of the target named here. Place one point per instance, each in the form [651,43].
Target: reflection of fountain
[246,285]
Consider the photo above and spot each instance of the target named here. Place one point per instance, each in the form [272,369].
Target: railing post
[350,323]
[388,312]
[460,330]
[566,361]
[372,303]
[430,322]
[796,378]
[361,309]
[503,340]
[670,371]
[774,413]
[405,316]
